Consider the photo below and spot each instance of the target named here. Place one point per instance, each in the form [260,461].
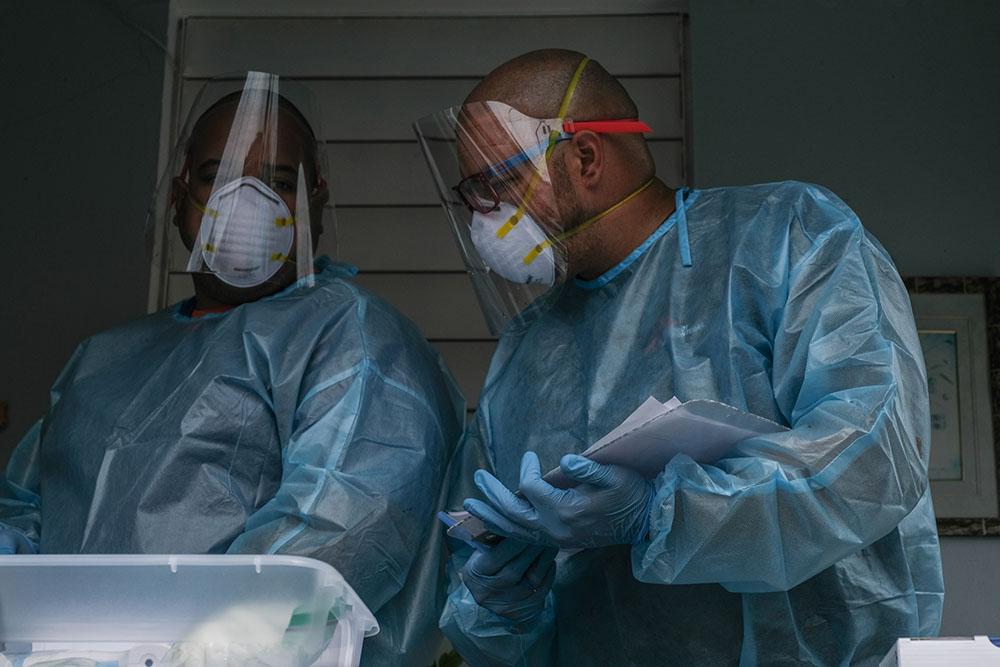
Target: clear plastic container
[173,611]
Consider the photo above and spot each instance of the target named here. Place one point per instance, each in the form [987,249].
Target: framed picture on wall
[955,335]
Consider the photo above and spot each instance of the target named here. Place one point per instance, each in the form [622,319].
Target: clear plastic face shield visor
[509,205]
[244,196]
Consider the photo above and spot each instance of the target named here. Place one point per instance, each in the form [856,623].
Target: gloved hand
[13,542]
[511,579]
[610,506]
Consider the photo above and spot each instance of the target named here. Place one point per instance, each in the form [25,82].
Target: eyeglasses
[479,191]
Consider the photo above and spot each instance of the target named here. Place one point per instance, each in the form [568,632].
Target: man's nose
[253,162]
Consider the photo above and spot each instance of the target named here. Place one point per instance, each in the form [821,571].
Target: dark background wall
[893,104]
[79,127]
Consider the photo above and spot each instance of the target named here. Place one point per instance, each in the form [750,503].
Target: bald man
[816,545]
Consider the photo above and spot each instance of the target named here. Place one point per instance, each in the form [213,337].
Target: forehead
[213,130]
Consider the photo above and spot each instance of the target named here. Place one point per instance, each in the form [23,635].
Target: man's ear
[320,194]
[588,154]
[178,198]
[317,200]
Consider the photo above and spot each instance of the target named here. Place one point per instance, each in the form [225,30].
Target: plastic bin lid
[145,598]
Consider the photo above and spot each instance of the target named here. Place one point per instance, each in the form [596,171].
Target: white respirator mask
[515,255]
[246,233]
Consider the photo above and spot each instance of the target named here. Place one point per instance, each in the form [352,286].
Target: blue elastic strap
[682,226]
[527,155]
[678,217]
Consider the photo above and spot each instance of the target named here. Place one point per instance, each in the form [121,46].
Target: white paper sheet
[657,432]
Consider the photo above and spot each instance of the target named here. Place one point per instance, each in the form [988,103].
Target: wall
[972,595]
[892,104]
[79,126]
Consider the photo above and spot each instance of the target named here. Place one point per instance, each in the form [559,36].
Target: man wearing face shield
[282,410]
[813,546]
[241,256]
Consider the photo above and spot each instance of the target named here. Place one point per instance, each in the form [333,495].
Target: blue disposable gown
[816,546]
[316,422]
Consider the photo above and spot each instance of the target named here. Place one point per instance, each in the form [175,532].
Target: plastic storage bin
[979,651]
[173,611]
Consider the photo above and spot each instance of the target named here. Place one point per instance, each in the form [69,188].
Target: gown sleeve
[848,375]
[364,467]
[20,502]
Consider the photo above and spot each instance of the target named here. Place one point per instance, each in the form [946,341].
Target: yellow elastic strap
[553,135]
[278,257]
[211,212]
[279,222]
[540,248]
[207,211]
[568,97]
[519,213]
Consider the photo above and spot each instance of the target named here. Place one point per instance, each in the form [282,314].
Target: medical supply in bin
[173,611]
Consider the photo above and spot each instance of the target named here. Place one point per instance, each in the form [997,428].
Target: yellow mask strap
[211,212]
[553,136]
[278,222]
[571,88]
[540,248]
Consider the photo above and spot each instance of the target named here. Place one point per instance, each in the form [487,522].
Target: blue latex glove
[610,506]
[13,542]
[511,579]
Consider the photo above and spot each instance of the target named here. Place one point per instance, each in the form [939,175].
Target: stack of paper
[657,432]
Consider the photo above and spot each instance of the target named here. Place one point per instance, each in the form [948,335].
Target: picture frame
[958,320]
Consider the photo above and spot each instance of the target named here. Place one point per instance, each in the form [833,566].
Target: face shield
[509,206]
[244,197]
